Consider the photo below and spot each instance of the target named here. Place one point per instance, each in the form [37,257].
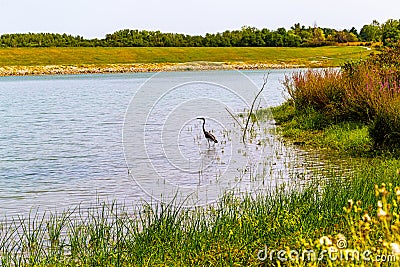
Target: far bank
[70,60]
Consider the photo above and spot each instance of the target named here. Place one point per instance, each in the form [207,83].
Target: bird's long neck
[204,129]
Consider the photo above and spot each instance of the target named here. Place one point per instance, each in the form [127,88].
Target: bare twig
[233,116]
[265,78]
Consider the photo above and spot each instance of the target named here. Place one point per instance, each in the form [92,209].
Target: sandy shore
[126,68]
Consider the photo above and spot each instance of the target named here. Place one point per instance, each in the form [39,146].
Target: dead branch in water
[233,116]
[265,78]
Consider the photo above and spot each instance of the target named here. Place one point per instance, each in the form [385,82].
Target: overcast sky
[95,18]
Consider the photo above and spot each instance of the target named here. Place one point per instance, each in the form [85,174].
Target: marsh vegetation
[352,113]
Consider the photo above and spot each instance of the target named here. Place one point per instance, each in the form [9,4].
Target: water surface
[61,138]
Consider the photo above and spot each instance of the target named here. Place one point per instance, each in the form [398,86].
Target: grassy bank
[320,56]
[312,129]
[364,97]
[229,233]
[352,113]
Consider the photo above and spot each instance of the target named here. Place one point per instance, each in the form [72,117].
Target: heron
[209,136]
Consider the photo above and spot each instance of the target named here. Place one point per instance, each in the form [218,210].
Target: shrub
[366,91]
[385,128]
[320,90]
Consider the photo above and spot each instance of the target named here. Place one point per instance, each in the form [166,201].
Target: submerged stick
[233,116]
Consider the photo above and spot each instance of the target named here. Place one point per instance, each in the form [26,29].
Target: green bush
[366,91]
[385,128]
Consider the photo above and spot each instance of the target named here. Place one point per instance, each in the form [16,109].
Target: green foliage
[385,127]
[297,36]
[391,32]
[366,91]
[314,129]
[46,40]
[348,136]
[371,32]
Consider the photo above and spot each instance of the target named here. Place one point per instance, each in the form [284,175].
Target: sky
[96,18]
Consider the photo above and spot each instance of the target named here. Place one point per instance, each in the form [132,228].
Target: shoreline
[141,67]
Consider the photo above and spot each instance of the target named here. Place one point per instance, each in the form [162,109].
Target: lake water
[80,139]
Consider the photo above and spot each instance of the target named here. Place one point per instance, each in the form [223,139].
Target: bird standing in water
[209,136]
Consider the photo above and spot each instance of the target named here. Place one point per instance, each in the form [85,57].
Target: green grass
[320,56]
[313,129]
[229,233]
[347,136]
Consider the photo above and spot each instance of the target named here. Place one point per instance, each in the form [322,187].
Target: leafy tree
[297,35]
[391,32]
[354,32]
[371,32]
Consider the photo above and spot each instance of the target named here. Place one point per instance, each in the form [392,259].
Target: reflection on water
[61,141]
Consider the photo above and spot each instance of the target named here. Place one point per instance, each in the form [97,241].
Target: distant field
[323,56]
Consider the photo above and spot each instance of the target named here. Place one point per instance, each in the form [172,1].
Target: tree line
[298,35]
